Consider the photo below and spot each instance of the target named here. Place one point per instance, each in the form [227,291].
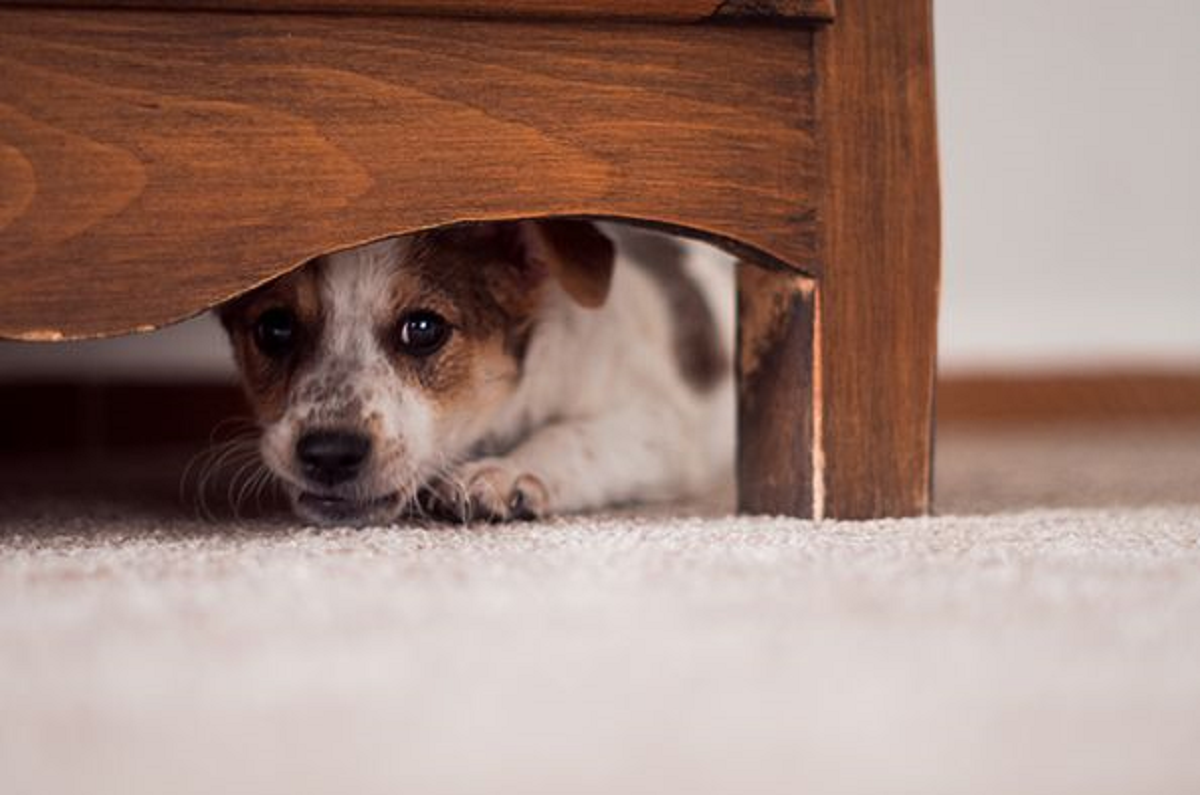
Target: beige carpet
[1042,638]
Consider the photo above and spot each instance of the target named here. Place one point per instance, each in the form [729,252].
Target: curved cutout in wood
[155,166]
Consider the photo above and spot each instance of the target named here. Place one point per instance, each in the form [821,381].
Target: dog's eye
[422,333]
[275,332]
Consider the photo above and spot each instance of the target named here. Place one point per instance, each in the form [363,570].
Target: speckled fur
[539,405]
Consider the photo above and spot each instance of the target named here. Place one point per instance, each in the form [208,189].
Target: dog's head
[372,369]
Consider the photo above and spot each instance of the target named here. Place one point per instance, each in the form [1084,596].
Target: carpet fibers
[1042,636]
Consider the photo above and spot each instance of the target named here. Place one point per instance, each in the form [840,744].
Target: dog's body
[494,371]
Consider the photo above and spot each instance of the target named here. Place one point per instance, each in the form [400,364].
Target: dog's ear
[575,253]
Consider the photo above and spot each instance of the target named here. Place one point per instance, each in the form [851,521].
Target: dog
[492,371]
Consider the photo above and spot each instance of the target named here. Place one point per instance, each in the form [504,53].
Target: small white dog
[492,371]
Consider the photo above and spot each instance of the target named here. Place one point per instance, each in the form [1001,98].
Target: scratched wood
[779,467]
[664,10]
[155,164]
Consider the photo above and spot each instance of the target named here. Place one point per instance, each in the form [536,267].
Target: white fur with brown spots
[539,402]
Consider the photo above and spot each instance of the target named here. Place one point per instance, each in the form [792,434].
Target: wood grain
[779,466]
[663,10]
[157,164]
[1004,398]
[822,10]
[880,246]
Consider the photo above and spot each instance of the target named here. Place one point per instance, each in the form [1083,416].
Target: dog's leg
[645,453]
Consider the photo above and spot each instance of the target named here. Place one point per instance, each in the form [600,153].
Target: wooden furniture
[158,158]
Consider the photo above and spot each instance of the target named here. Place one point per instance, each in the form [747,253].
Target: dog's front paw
[489,490]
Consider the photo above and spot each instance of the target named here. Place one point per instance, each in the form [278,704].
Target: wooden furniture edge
[780,452]
[881,255]
[647,10]
[866,337]
[94,164]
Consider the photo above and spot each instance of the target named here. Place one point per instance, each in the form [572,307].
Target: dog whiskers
[243,474]
[211,464]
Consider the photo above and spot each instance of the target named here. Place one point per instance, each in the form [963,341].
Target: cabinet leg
[837,371]
[835,393]
[779,466]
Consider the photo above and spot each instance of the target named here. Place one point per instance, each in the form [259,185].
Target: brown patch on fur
[473,276]
[267,381]
[488,280]
[577,254]
[699,353]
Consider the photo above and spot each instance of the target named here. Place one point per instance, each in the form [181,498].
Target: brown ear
[575,253]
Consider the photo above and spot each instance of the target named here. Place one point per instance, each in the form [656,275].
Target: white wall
[1070,132]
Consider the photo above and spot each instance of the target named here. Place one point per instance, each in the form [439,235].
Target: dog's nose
[332,457]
